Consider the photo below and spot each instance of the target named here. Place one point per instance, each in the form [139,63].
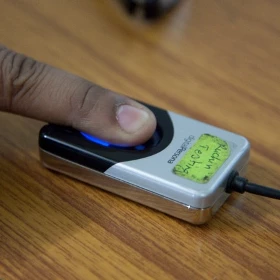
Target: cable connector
[241,185]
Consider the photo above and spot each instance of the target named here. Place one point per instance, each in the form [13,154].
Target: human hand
[36,90]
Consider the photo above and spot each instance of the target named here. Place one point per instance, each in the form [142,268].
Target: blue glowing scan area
[107,144]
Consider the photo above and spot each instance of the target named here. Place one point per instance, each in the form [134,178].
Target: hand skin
[36,90]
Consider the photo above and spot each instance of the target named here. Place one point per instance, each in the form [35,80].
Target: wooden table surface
[216,61]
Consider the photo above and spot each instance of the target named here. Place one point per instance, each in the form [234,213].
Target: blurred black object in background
[150,9]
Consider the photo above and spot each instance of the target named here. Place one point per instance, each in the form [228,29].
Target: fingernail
[131,118]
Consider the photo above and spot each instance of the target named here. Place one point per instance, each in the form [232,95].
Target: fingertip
[115,118]
[134,125]
[131,119]
[137,122]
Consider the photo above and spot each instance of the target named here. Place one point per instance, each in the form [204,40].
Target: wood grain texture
[217,61]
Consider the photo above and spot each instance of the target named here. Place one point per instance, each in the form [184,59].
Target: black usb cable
[239,184]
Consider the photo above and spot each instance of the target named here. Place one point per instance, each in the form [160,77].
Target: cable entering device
[239,184]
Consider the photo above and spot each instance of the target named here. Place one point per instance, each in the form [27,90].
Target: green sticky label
[203,159]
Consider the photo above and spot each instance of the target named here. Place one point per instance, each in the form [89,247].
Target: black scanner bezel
[70,144]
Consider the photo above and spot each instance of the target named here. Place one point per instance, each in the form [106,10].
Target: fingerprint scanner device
[181,171]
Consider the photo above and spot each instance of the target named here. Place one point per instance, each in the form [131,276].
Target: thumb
[36,90]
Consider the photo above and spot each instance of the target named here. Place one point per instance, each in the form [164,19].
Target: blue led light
[95,140]
[106,144]
[140,147]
